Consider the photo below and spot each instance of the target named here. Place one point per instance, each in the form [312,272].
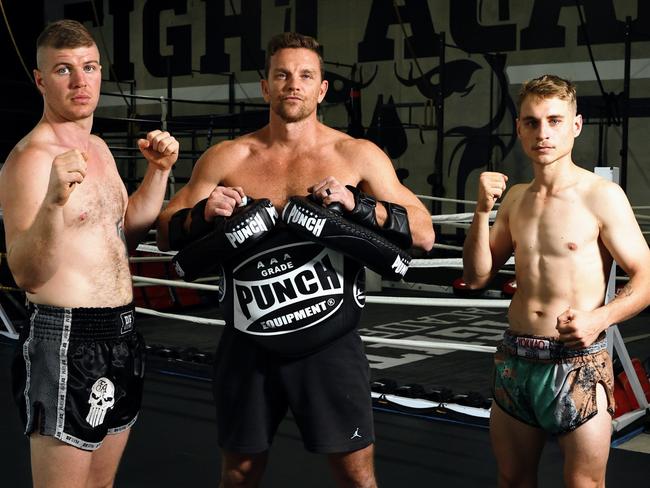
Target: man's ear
[323,90]
[38,80]
[265,90]
[577,125]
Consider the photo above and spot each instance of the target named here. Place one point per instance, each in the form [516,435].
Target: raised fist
[68,170]
[160,149]
[491,186]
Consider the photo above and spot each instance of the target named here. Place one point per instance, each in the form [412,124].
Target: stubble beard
[291,116]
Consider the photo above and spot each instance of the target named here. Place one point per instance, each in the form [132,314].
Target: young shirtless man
[326,387]
[68,221]
[552,372]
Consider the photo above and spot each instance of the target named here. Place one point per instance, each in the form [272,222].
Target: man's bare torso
[560,260]
[94,269]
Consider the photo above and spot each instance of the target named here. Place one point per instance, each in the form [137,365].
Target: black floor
[173,445]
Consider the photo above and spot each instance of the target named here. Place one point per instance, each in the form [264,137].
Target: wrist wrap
[364,208]
[396,228]
[198,225]
[177,235]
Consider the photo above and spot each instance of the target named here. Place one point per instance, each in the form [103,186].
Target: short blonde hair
[548,86]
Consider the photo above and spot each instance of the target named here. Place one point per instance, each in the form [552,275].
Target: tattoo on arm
[626,291]
[120,232]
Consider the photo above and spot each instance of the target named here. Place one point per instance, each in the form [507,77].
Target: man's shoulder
[600,190]
[98,141]
[29,162]
[235,149]
[516,191]
[225,157]
[349,146]
[520,187]
[33,149]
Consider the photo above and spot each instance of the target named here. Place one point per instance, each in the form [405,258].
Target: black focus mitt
[331,229]
[230,236]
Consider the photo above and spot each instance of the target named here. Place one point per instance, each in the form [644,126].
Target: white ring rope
[442,199]
[446,262]
[154,249]
[439,302]
[448,246]
[437,263]
[454,263]
[177,283]
[446,290]
[459,217]
[449,346]
[186,318]
[468,216]
[460,225]
[421,301]
[149,259]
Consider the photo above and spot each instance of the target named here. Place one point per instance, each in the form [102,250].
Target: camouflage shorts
[546,385]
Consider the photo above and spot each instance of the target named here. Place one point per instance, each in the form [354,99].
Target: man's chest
[278,179]
[556,227]
[100,198]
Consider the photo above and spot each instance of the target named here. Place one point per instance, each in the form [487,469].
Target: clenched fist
[68,170]
[491,186]
[160,149]
[578,328]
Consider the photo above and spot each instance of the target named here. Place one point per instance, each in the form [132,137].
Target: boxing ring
[418,398]
[411,449]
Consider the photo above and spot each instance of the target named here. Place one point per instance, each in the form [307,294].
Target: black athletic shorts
[78,373]
[328,393]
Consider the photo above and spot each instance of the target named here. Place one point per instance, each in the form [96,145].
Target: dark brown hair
[293,40]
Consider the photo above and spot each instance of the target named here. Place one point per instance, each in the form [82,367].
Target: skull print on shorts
[102,397]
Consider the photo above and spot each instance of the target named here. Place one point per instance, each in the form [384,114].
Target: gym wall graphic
[430,81]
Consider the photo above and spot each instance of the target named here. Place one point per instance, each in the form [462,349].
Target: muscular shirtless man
[68,219]
[552,371]
[326,386]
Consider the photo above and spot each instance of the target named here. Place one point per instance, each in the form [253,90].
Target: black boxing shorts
[328,393]
[78,373]
[292,296]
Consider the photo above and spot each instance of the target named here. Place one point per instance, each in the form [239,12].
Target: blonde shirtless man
[68,221]
[287,294]
[553,374]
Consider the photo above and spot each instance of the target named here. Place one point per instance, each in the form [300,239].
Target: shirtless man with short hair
[327,388]
[553,374]
[68,219]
